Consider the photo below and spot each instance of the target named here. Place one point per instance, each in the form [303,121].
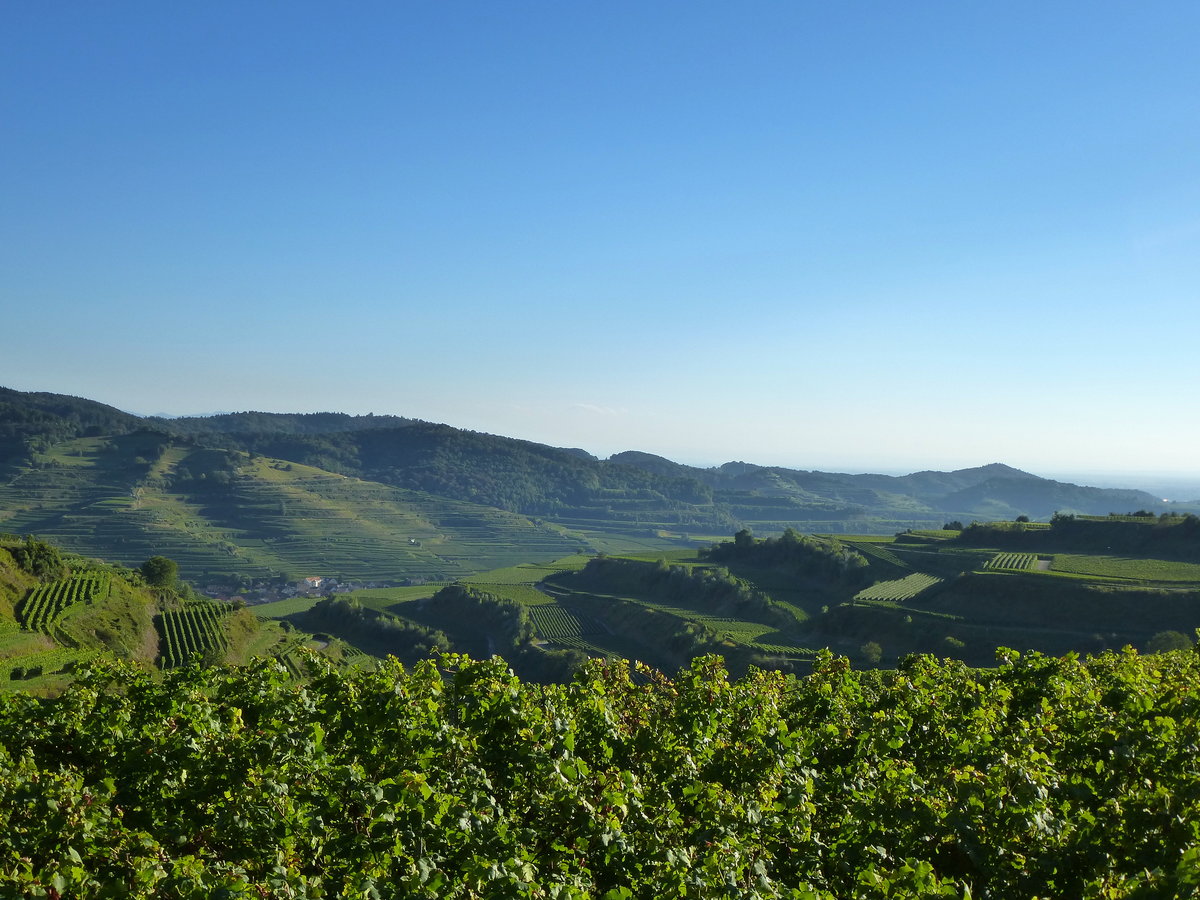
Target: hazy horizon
[812,235]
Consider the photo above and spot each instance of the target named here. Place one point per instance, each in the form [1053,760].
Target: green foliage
[493,624]
[39,558]
[160,572]
[1165,641]
[710,589]
[1167,537]
[15,583]
[797,553]
[371,630]
[1043,777]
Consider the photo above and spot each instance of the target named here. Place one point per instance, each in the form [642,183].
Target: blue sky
[844,236]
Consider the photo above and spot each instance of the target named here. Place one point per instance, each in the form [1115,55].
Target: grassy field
[281,609]
[40,668]
[529,573]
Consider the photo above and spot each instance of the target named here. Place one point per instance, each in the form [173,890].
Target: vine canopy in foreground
[1044,777]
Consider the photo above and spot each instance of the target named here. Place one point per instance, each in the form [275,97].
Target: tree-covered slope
[36,421]
[991,491]
[1042,498]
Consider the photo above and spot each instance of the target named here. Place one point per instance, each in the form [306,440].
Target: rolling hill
[396,499]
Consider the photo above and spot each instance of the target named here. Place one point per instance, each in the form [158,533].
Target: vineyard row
[46,603]
[191,631]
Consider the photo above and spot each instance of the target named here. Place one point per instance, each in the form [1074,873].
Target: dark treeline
[480,623]
[500,625]
[377,633]
[1164,536]
[264,423]
[36,557]
[35,421]
[712,590]
[795,553]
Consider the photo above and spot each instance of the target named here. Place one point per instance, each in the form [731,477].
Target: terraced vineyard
[44,604]
[193,630]
[570,626]
[726,627]
[873,550]
[553,622]
[1013,561]
[126,499]
[792,651]
[899,589]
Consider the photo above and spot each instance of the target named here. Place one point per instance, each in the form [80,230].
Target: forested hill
[994,490]
[535,479]
[511,474]
[629,490]
[1041,498]
[35,421]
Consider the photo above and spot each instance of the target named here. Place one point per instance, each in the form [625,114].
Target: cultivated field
[898,589]
[1014,561]
[1126,568]
[191,632]
[43,605]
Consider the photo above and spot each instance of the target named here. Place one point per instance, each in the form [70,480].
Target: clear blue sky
[825,235]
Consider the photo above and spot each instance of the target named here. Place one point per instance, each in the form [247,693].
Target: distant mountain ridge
[994,489]
[639,498]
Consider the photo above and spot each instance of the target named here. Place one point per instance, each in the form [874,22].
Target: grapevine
[1048,777]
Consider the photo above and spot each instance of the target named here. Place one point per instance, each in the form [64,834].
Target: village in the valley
[267,590]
